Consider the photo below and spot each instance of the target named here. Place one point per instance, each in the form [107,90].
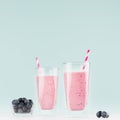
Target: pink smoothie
[75,87]
[47,86]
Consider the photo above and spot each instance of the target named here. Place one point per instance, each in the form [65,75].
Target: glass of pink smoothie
[47,82]
[76,84]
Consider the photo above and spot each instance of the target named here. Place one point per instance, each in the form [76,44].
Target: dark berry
[20,105]
[28,110]
[15,102]
[104,114]
[26,102]
[15,106]
[29,106]
[20,110]
[107,116]
[98,114]
[15,110]
[23,99]
[30,101]
[20,99]
[24,109]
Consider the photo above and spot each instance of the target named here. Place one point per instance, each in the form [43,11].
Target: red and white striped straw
[86,59]
[38,63]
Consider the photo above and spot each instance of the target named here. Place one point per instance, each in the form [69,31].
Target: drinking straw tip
[36,58]
[37,62]
[86,59]
[88,51]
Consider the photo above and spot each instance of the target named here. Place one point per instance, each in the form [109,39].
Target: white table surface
[91,117]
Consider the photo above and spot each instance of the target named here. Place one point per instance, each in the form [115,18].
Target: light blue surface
[57,32]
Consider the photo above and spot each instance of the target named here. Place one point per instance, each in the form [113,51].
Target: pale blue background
[57,32]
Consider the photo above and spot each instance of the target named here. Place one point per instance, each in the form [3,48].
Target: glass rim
[48,67]
[75,62]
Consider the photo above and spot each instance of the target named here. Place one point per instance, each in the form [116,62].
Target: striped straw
[86,59]
[38,63]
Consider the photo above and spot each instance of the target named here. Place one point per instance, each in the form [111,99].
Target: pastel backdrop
[57,32]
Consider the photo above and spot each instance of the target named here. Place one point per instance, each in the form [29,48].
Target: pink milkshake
[47,87]
[76,86]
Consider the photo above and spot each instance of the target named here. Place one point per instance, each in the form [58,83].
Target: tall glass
[76,81]
[47,82]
